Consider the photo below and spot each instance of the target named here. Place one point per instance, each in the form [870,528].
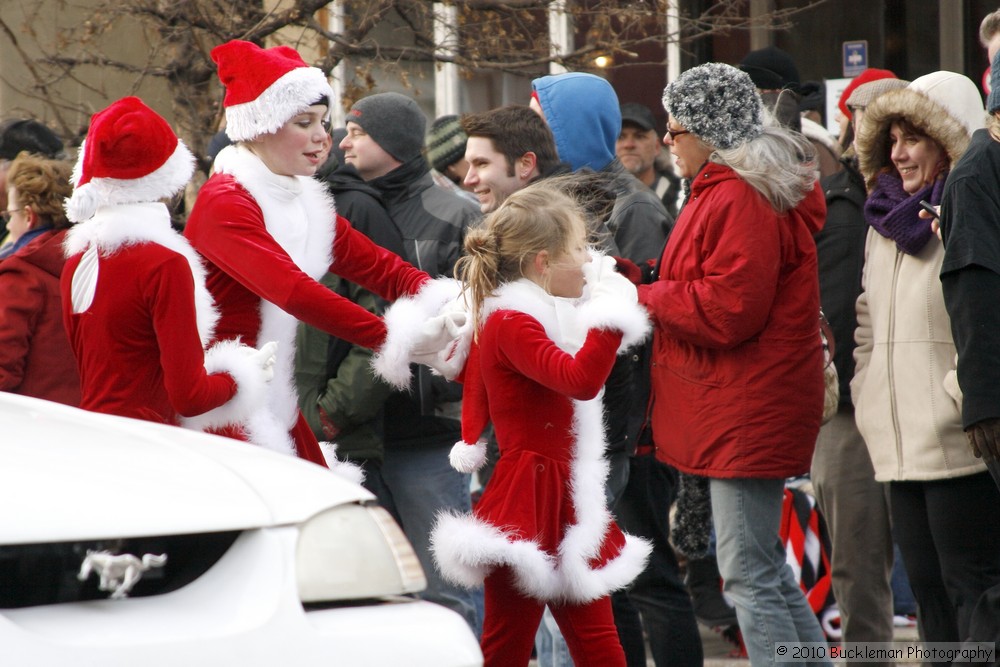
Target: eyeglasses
[9,212]
[676,133]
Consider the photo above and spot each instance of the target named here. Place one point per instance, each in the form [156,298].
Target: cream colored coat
[912,426]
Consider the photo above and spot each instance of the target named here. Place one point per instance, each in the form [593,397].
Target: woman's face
[299,146]
[20,218]
[918,158]
[690,153]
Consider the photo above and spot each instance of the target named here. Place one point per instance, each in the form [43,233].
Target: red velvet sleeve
[190,388]
[228,230]
[523,343]
[361,261]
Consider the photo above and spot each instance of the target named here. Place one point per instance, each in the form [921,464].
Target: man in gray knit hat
[385,142]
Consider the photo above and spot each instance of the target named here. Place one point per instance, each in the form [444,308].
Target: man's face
[637,148]
[365,155]
[488,176]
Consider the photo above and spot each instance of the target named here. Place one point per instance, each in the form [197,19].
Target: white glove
[264,358]
[604,281]
[438,333]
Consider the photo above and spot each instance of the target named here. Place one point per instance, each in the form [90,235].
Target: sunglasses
[676,133]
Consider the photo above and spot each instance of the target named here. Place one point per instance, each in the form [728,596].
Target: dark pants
[949,535]
[658,594]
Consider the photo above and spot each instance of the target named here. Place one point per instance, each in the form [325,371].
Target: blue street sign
[855,58]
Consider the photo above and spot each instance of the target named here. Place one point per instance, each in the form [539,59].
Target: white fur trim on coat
[629,318]
[165,181]
[233,358]
[352,472]
[299,215]
[114,227]
[403,320]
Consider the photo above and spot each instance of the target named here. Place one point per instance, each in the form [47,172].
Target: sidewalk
[719,652]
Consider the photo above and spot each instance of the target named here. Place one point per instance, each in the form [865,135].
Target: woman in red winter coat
[737,379]
[35,354]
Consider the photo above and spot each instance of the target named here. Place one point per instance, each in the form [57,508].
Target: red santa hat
[266,87]
[130,155]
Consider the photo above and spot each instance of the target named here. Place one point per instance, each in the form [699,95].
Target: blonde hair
[43,184]
[540,217]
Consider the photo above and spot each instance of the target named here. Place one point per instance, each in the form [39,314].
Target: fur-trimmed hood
[943,105]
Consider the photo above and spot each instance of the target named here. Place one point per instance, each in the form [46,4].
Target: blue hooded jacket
[583,112]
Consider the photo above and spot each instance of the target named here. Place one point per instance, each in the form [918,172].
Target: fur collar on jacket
[115,227]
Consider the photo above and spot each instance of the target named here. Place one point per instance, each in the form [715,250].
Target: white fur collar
[555,314]
[115,227]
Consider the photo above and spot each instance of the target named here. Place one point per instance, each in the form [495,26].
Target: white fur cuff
[629,318]
[403,322]
[467,458]
[251,388]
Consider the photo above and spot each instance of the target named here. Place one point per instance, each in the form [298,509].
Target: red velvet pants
[511,621]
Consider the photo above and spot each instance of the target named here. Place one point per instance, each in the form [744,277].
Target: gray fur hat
[394,121]
[717,102]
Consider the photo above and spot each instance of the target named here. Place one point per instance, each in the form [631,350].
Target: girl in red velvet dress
[542,533]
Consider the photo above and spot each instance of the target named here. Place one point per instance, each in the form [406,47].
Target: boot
[704,583]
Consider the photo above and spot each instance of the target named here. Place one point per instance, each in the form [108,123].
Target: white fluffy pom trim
[251,389]
[629,318]
[352,472]
[467,458]
[165,181]
[403,320]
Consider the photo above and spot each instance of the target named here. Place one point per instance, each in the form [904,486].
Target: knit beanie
[446,142]
[867,76]
[771,68]
[993,101]
[717,102]
[394,121]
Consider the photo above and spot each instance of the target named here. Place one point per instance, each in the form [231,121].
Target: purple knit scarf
[894,214]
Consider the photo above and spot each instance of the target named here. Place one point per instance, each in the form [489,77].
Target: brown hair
[536,218]
[43,184]
[515,130]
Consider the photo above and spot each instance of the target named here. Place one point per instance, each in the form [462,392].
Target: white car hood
[68,474]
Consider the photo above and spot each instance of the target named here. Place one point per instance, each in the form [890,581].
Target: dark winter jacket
[433,222]
[35,355]
[840,250]
[339,395]
[970,274]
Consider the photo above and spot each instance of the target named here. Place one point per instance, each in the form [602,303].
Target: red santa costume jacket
[35,356]
[268,239]
[138,315]
[544,512]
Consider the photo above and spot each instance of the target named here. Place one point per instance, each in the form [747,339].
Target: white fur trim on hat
[165,181]
[291,94]
[467,458]
[403,321]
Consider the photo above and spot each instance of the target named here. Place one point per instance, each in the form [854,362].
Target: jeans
[856,510]
[770,606]
[414,484]
[658,593]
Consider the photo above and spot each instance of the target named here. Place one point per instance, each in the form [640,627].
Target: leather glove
[984,438]
[264,358]
[604,282]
